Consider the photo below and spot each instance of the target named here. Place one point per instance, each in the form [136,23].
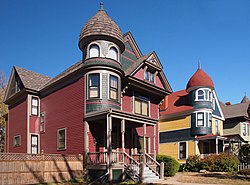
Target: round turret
[199,79]
[101,27]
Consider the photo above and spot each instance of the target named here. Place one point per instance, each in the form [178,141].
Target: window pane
[200,115]
[137,107]
[94,51]
[113,94]
[113,81]
[146,75]
[94,84]
[93,92]
[113,53]
[200,95]
[34,101]
[182,150]
[34,111]
[61,139]
[152,77]
[94,80]
[144,108]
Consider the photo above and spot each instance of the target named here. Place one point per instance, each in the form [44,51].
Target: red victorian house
[104,106]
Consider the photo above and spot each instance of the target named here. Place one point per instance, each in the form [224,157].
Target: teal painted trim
[98,62]
[96,105]
[175,136]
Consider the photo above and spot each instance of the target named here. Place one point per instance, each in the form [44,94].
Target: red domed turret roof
[199,79]
[101,26]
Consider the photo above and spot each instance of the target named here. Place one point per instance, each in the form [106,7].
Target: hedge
[171,166]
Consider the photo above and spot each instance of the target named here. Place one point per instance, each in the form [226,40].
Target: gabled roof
[177,103]
[245,100]
[30,79]
[63,74]
[235,110]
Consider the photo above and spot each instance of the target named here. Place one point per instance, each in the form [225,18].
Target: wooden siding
[127,102]
[220,125]
[34,124]
[64,109]
[171,149]
[17,125]
[176,124]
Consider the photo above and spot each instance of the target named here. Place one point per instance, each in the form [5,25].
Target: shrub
[244,153]
[244,172]
[171,166]
[193,163]
[223,162]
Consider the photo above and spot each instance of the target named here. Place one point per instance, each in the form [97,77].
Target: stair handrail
[133,161]
[155,162]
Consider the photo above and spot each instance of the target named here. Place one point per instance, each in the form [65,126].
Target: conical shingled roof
[101,26]
[199,79]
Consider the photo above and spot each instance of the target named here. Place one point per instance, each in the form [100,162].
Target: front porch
[210,144]
[119,145]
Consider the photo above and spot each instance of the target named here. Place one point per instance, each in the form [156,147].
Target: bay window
[200,119]
[94,85]
[113,87]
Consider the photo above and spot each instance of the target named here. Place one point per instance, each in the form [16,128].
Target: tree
[3,109]
[244,153]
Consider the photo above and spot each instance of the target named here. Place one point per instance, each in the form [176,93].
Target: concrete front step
[149,175]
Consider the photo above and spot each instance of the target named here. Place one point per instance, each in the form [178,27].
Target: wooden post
[162,170]
[154,141]
[123,138]
[109,147]
[86,142]
[141,172]
[144,142]
[216,146]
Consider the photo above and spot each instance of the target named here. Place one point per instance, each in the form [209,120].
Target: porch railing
[152,164]
[94,158]
[242,166]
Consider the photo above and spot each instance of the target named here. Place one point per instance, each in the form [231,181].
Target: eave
[167,117]
[145,87]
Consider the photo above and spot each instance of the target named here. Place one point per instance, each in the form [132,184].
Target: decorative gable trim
[130,39]
[218,105]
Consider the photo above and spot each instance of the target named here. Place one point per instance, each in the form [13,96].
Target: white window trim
[88,49]
[206,95]
[118,52]
[133,109]
[15,139]
[65,139]
[179,149]
[118,87]
[205,118]
[38,107]
[100,84]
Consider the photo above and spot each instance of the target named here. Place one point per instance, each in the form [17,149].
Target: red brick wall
[64,109]
[18,126]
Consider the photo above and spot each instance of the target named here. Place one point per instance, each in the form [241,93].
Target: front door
[34,144]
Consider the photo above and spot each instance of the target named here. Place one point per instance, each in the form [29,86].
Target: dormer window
[149,76]
[113,53]
[94,51]
[16,87]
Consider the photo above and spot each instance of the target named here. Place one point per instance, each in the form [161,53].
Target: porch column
[144,142]
[154,140]
[216,145]
[109,147]
[86,141]
[123,138]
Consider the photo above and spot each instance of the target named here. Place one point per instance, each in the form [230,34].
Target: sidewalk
[174,181]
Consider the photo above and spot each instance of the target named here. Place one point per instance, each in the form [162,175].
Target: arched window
[94,51]
[200,95]
[113,53]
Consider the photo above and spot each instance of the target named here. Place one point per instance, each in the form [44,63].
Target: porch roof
[210,136]
[97,115]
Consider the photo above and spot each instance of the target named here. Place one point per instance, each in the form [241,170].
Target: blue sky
[42,36]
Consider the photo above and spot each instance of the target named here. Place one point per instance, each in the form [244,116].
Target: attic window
[149,76]
[16,87]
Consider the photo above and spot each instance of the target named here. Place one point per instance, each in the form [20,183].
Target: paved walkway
[173,181]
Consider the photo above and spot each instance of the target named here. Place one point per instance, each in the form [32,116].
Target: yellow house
[191,120]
